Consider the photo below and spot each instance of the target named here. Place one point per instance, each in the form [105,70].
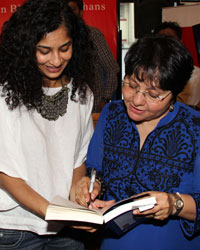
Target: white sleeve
[87,130]
[12,162]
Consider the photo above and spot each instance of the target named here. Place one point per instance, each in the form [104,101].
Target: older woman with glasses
[150,143]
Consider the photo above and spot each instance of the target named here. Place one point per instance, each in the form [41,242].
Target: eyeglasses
[150,95]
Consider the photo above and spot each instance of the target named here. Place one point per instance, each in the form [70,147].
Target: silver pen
[92,180]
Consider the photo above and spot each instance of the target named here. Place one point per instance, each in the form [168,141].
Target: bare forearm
[24,194]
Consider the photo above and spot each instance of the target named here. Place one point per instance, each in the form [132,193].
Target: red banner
[98,13]
[103,15]
[7,8]
[189,42]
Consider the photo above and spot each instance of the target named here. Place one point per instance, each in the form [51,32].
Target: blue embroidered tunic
[169,161]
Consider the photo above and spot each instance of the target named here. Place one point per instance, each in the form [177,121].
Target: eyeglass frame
[158,98]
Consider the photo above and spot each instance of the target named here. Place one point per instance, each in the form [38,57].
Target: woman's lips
[136,110]
[54,69]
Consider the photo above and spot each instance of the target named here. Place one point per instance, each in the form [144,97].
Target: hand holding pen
[87,189]
[96,203]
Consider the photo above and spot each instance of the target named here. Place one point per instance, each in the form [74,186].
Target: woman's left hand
[163,208]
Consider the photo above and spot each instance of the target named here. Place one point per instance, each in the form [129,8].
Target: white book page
[62,209]
[142,204]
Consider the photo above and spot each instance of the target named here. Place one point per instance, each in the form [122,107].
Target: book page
[124,201]
[59,201]
[66,210]
[142,204]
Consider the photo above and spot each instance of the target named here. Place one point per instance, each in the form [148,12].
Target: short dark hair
[160,57]
[169,25]
[19,73]
[78,2]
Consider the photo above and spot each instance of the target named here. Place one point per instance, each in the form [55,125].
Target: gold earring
[171,107]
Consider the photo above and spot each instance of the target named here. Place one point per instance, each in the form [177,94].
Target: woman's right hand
[82,195]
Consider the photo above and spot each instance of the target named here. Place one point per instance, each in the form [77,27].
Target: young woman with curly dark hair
[45,123]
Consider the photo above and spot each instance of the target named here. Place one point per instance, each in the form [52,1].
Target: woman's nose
[56,59]
[139,98]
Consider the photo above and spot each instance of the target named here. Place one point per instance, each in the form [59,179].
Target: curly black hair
[19,73]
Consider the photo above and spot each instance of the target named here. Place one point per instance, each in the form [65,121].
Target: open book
[119,213]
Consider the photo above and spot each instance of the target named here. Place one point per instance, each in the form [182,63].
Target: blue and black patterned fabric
[169,161]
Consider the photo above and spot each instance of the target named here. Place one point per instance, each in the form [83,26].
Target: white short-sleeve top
[43,153]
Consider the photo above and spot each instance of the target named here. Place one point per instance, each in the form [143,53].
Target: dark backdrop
[148,14]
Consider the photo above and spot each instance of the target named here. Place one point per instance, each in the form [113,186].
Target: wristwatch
[179,204]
